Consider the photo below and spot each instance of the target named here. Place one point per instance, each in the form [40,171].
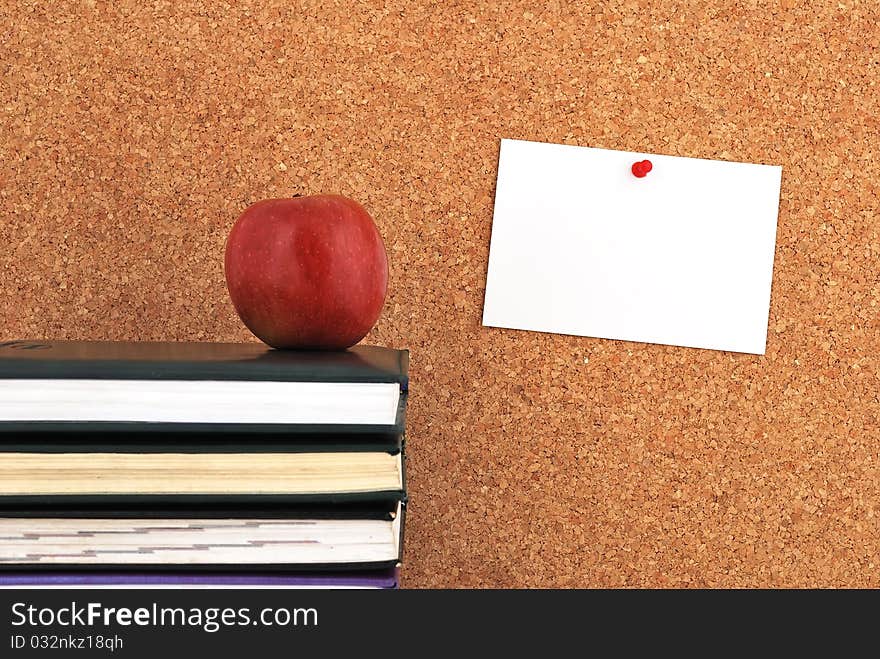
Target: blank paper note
[683,256]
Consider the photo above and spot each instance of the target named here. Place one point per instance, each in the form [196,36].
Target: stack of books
[168,464]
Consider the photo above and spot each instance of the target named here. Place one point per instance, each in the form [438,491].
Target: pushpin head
[639,169]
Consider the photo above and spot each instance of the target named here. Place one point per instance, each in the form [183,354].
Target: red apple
[307,272]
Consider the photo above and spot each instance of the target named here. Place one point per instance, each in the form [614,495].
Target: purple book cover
[365,579]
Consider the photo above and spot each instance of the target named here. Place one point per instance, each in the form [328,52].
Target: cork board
[132,134]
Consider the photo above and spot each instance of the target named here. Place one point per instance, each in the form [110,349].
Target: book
[373,579]
[203,543]
[53,469]
[173,474]
[50,386]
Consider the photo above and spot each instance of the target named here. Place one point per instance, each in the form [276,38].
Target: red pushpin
[639,169]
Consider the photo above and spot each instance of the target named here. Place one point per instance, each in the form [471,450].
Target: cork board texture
[132,134]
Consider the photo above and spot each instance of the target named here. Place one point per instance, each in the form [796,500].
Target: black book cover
[145,360]
[78,441]
[207,509]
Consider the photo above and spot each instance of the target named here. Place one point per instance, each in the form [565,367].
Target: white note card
[682,256]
